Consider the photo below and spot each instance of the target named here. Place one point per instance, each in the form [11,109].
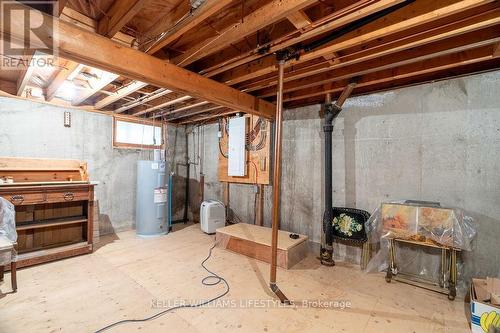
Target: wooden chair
[7,248]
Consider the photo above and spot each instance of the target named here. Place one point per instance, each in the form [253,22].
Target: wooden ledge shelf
[51,223]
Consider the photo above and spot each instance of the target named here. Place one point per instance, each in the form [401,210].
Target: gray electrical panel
[151,215]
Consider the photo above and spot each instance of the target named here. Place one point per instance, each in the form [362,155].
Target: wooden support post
[277,183]
[13,275]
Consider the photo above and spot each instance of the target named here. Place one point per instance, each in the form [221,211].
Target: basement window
[137,134]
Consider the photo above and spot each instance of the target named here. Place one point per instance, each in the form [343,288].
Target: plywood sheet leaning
[258,147]
[255,242]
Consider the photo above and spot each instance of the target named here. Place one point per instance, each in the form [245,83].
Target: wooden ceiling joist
[61,4]
[177,23]
[146,99]
[72,16]
[195,112]
[119,94]
[29,58]
[391,85]
[382,51]
[299,19]
[445,62]
[120,13]
[67,70]
[336,20]
[207,117]
[442,47]
[190,106]
[274,11]
[402,20]
[90,49]
[162,105]
[95,84]
[496,53]
[435,10]
[8,87]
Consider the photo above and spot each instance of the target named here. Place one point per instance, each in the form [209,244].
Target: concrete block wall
[435,142]
[32,129]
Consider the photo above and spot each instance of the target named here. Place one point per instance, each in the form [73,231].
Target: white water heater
[212,216]
[151,213]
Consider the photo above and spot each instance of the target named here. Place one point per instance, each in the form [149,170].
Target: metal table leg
[442,278]
[453,275]
[392,269]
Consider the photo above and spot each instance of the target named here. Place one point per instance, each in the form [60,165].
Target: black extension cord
[205,281]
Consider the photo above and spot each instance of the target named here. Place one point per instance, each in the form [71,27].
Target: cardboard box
[484,313]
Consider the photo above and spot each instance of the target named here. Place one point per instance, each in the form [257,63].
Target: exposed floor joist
[29,58]
[143,101]
[176,24]
[396,22]
[442,47]
[272,12]
[83,46]
[337,19]
[118,15]
[195,112]
[190,106]
[119,94]
[299,19]
[406,81]
[67,70]
[413,69]
[163,105]
[382,51]
[95,84]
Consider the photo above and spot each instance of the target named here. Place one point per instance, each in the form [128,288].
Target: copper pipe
[277,184]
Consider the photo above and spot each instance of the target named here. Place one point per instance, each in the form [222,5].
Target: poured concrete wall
[434,142]
[31,129]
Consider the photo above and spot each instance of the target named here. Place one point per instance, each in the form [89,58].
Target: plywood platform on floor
[255,242]
[125,276]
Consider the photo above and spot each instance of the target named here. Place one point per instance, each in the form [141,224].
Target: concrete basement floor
[124,276]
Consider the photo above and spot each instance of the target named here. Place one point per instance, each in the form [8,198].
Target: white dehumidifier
[212,216]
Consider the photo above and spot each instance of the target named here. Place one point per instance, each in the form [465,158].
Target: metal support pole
[277,183]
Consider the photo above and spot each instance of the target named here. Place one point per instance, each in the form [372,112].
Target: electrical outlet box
[67,119]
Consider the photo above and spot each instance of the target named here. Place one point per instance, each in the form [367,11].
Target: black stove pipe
[331,112]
